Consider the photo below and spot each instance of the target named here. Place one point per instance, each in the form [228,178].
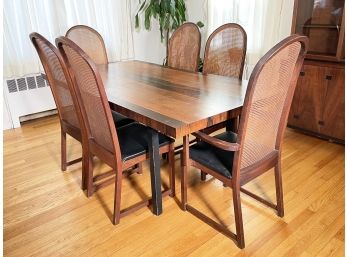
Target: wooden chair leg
[203,176]
[117,198]
[171,161]
[184,163]
[84,169]
[279,189]
[89,175]
[140,168]
[238,218]
[86,166]
[63,150]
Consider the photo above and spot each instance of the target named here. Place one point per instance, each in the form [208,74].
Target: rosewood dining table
[172,102]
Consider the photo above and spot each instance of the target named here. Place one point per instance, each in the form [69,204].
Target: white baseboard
[37,115]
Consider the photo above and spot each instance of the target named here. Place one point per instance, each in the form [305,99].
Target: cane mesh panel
[90,99]
[267,103]
[90,42]
[58,83]
[184,47]
[225,53]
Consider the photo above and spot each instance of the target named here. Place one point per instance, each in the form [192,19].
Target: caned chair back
[225,51]
[184,47]
[91,96]
[268,99]
[57,76]
[90,41]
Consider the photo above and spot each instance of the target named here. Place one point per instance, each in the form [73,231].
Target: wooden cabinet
[318,104]
[322,21]
[332,118]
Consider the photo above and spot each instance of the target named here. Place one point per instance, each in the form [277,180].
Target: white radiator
[26,96]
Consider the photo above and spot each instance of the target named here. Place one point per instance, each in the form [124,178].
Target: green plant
[170,14]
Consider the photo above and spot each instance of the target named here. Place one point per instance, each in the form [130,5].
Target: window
[266,22]
[110,18]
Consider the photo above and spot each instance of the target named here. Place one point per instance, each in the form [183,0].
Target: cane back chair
[120,148]
[184,47]
[59,80]
[90,41]
[225,51]
[236,159]
[225,55]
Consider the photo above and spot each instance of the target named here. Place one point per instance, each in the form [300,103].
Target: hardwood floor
[47,214]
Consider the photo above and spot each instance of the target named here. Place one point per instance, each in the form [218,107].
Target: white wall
[6,118]
[147,44]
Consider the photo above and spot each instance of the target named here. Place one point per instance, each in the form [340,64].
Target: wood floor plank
[47,214]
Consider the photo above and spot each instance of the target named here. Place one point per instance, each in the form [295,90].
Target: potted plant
[169,13]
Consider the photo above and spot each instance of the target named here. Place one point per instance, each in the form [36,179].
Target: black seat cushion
[133,140]
[120,120]
[215,158]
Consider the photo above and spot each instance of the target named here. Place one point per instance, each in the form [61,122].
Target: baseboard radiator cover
[28,97]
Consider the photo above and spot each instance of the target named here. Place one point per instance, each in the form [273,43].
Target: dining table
[173,102]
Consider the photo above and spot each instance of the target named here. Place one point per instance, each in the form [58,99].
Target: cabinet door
[293,114]
[306,110]
[332,121]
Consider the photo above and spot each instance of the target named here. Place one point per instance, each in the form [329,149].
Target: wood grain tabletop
[171,101]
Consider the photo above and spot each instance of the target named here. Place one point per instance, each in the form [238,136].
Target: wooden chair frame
[231,125]
[105,57]
[94,149]
[84,27]
[217,31]
[65,127]
[170,45]
[242,176]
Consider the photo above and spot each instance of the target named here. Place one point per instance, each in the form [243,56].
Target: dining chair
[225,51]
[90,41]
[236,159]
[225,55]
[183,51]
[183,47]
[59,80]
[120,148]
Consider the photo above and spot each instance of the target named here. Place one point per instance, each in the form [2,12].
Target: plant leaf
[142,6]
[136,21]
[170,14]
[200,24]
[147,17]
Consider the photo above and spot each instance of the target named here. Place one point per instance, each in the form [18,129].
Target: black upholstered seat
[120,120]
[214,158]
[133,140]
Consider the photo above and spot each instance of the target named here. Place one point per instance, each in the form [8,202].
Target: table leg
[232,124]
[153,143]
[184,164]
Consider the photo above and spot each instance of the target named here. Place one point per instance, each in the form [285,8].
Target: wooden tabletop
[171,101]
